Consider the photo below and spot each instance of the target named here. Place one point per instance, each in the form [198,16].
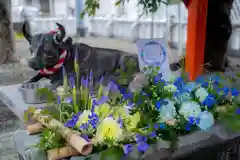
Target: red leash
[56,67]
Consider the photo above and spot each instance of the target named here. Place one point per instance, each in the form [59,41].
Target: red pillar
[196,37]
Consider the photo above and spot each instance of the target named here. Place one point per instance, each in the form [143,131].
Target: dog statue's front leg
[35,78]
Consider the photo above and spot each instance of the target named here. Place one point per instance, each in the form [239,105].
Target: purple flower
[72,122]
[143,147]
[85,137]
[101,79]
[93,120]
[140,138]
[120,121]
[90,75]
[102,100]
[72,81]
[127,148]
[84,82]
[153,134]
[155,126]
[68,100]
[58,100]
[84,126]
[112,86]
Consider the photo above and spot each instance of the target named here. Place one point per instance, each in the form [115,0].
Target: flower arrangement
[119,121]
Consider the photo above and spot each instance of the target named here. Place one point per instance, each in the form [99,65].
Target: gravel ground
[17,73]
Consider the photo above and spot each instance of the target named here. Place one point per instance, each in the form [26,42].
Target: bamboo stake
[83,146]
[34,128]
[59,153]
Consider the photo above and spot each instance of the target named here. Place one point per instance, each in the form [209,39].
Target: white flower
[206,120]
[60,91]
[167,111]
[170,88]
[190,109]
[201,93]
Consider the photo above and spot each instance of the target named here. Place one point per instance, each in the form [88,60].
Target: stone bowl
[30,93]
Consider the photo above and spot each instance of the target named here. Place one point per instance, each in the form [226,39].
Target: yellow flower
[83,118]
[109,129]
[134,120]
[170,88]
[102,110]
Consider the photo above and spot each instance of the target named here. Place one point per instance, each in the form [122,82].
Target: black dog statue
[50,53]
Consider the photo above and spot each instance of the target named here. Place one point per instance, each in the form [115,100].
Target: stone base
[25,148]
[82,32]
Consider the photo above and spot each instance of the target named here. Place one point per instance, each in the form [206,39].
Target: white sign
[153,53]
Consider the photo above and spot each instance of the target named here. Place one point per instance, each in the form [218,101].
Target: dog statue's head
[44,47]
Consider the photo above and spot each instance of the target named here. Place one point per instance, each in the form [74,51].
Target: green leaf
[111,153]
[118,2]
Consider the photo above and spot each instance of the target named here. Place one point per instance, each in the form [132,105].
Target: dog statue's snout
[34,64]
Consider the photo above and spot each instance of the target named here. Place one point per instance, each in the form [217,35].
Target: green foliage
[51,97]
[111,153]
[50,139]
[27,114]
[149,6]
[126,75]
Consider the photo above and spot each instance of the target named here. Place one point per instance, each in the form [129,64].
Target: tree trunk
[219,29]
[6,33]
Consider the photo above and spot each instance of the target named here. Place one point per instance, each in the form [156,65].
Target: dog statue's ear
[26,31]
[67,44]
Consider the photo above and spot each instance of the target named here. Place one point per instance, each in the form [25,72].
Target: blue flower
[162,126]
[158,78]
[238,111]
[188,127]
[215,79]
[179,82]
[234,92]
[189,87]
[200,80]
[127,148]
[206,120]
[225,91]
[193,120]
[158,104]
[143,147]
[209,101]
